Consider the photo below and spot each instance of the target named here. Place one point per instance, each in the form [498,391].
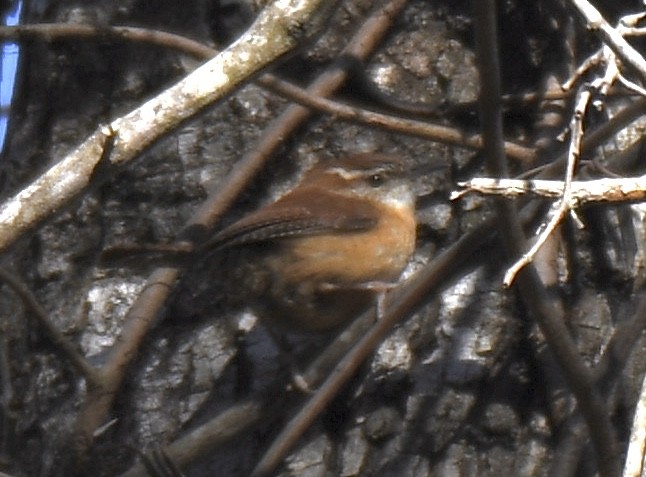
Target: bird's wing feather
[323,212]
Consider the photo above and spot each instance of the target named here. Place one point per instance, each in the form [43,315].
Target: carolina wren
[313,259]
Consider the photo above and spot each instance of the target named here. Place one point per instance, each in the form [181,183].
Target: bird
[326,250]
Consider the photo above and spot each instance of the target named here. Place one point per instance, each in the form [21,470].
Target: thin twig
[58,339]
[361,45]
[606,375]
[636,453]
[434,132]
[283,25]
[530,287]
[611,37]
[209,82]
[564,205]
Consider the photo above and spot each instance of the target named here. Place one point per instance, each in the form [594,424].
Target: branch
[279,29]
[611,37]
[600,190]
[424,129]
[546,312]
[637,444]
[142,314]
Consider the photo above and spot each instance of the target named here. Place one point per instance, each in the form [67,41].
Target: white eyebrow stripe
[346,174]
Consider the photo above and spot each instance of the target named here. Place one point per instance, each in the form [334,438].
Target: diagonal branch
[279,29]
[611,37]
[143,312]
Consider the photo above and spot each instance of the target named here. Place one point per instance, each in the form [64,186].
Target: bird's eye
[376,180]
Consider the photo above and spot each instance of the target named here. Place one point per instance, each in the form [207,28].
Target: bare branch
[279,28]
[637,447]
[611,37]
[600,190]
